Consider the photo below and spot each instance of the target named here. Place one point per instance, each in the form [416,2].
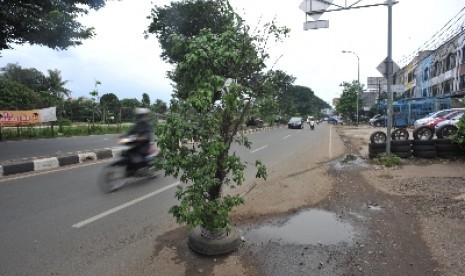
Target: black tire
[213,246]
[450,153]
[444,141]
[417,148]
[376,146]
[111,178]
[373,155]
[446,131]
[425,154]
[423,133]
[378,137]
[378,124]
[448,147]
[376,151]
[403,154]
[423,142]
[400,134]
[401,143]
[403,148]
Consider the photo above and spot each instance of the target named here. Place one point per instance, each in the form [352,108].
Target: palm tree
[56,85]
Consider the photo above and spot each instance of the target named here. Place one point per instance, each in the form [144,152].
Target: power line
[453,27]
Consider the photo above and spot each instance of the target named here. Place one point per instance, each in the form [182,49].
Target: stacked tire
[401,148]
[446,148]
[374,149]
[424,148]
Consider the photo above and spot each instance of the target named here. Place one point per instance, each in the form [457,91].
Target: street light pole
[358,76]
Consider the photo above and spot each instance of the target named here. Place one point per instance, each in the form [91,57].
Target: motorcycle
[129,164]
[312,125]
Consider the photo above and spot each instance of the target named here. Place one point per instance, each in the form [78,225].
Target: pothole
[350,162]
[310,227]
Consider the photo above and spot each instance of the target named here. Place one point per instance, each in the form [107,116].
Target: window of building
[450,61]
[448,86]
[462,82]
[410,76]
[426,74]
[435,90]
[436,70]
[463,54]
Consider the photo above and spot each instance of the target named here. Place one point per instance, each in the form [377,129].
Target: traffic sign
[382,67]
[308,6]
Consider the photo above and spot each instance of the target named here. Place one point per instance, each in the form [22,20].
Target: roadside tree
[49,23]
[218,72]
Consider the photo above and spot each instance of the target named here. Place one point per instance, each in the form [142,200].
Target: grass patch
[388,161]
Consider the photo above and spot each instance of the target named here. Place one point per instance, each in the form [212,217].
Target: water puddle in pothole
[350,161]
[308,227]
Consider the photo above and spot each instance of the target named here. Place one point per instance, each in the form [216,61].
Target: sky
[128,65]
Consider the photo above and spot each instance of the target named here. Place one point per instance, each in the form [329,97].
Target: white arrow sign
[315,5]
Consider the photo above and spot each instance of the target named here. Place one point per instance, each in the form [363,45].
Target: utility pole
[389,80]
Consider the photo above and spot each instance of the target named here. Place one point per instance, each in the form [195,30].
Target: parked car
[296,122]
[374,118]
[378,121]
[335,121]
[255,122]
[447,128]
[432,116]
[427,129]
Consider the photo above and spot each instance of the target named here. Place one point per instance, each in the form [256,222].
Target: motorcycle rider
[144,131]
[311,122]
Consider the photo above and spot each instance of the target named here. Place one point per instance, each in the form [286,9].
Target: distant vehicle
[378,121]
[374,118]
[447,128]
[335,121]
[296,122]
[255,122]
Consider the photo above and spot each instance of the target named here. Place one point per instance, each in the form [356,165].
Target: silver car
[447,128]
[438,114]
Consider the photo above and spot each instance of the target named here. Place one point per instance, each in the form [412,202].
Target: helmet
[141,111]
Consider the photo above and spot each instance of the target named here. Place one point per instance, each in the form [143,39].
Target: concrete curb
[77,158]
[55,162]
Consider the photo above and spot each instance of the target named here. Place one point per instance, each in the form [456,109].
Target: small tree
[459,136]
[347,105]
[94,95]
[221,74]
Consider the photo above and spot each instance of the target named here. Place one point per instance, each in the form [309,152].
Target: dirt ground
[408,220]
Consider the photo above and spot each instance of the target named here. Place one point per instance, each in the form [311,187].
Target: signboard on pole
[310,6]
[27,117]
[382,67]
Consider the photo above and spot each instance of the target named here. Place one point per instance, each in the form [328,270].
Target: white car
[447,128]
[438,114]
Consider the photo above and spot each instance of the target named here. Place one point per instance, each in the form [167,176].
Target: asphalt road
[58,222]
[15,150]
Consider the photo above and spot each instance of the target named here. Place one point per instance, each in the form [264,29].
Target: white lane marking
[125,205]
[285,137]
[265,146]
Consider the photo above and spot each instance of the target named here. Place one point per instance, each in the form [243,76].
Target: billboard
[27,117]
